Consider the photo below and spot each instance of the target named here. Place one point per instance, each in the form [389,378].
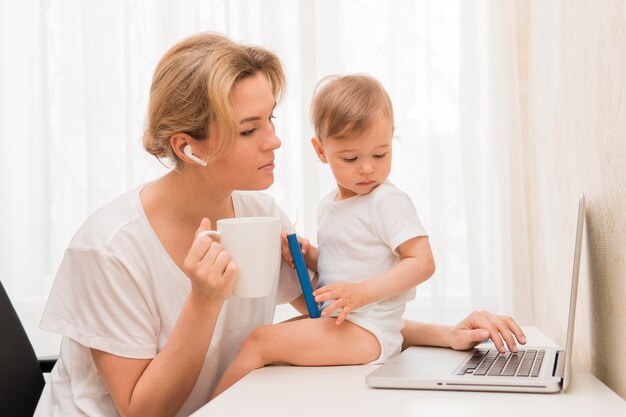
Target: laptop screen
[572,303]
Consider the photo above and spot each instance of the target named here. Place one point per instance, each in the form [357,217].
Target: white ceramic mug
[254,245]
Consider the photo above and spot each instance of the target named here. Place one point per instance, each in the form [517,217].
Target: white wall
[572,66]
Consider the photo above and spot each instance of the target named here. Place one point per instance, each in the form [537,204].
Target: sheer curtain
[75,77]
[493,148]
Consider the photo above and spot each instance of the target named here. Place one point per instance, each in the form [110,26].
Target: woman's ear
[178,142]
[181,145]
[319,149]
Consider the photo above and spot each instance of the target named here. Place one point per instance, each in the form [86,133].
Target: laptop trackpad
[429,362]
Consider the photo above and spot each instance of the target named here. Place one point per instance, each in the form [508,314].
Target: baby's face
[359,163]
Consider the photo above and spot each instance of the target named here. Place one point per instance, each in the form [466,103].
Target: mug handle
[211,233]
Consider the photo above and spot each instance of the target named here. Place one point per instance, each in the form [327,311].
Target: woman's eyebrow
[249,119]
[255,118]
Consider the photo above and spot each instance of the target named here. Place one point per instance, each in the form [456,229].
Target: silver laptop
[531,369]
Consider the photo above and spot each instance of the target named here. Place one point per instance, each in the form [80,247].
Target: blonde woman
[143,307]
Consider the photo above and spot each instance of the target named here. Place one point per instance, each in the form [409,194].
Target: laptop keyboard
[524,363]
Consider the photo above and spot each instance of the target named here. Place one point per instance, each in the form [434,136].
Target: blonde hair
[191,90]
[348,104]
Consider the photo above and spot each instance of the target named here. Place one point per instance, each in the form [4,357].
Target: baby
[373,250]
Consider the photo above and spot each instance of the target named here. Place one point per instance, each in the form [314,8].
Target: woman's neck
[185,201]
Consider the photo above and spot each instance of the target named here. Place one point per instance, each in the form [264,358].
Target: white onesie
[357,239]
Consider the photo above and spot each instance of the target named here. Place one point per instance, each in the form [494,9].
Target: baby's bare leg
[307,342]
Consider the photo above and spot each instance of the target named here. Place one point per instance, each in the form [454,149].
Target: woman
[143,307]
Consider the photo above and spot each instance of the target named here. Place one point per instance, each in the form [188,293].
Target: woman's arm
[425,334]
[472,330]
[159,386]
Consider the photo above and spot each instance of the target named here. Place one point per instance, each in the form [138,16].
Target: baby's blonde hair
[348,104]
[191,90]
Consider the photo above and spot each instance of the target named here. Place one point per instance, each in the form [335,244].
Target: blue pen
[303,276]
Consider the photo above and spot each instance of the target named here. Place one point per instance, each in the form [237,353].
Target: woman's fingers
[202,271]
[517,331]
[304,245]
[231,271]
[221,261]
[200,245]
[196,254]
[494,334]
[230,275]
[205,224]
[502,329]
[482,325]
[209,267]
[286,252]
[505,327]
[212,253]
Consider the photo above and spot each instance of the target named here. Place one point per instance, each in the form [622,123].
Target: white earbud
[190,155]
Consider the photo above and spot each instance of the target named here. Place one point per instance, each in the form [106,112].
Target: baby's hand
[284,247]
[348,297]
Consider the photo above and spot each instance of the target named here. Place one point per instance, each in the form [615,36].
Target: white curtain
[74,83]
[493,151]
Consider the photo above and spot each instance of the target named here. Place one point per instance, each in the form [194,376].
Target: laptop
[531,369]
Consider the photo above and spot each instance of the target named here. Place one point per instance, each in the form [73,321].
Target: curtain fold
[493,159]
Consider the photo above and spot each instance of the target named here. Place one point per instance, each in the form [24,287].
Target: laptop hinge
[559,364]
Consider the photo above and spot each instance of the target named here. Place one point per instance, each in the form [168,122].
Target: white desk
[290,391]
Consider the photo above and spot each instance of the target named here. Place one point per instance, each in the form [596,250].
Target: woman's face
[249,164]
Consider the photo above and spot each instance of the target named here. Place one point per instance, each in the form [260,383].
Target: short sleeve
[96,301]
[395,219]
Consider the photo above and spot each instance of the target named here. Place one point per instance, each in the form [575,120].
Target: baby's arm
[309,252]
[416,266]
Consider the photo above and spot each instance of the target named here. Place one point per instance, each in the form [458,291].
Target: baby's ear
[319,149]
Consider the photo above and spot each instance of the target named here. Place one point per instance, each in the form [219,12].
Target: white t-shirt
[357,239]
[119,291]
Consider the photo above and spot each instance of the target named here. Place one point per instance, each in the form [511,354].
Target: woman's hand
[211,270]
[482,325]
[284,247]
[348,297]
